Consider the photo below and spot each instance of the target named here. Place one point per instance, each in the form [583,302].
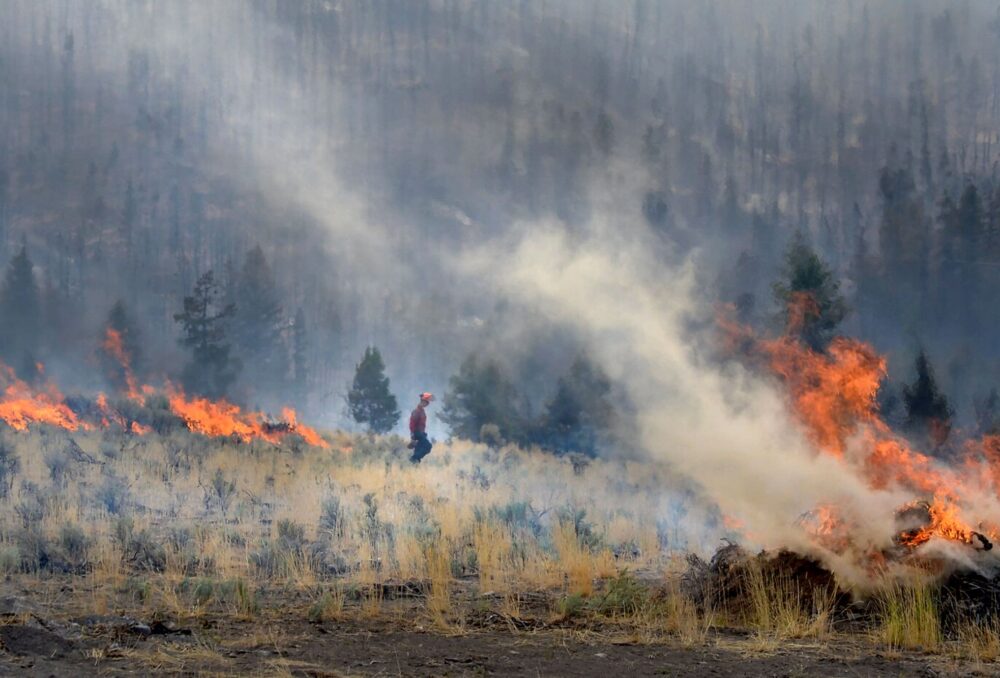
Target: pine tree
[120,320]
[212,369]
[21,314]
[369,400]
[481,394]
[259,321]
[927,410]
[580,412]
[809,296]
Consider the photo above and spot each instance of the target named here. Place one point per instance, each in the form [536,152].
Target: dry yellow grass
[909,616]
[185,526]
[215,507]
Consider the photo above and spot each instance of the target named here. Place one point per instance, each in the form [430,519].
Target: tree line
[483,404]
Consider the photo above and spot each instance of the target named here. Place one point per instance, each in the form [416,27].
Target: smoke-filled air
[435,337]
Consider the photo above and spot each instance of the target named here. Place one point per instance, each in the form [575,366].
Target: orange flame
[833,396]
[115,347]
[221,418]
[945,522]
[308,434]
[22,405]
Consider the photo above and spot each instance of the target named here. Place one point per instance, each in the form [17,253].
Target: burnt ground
[46,632]
[380,648]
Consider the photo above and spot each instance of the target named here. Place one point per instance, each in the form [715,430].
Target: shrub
[113,495]
[203,591]
[571,606]
[34,549]
[74,544]
[328,606]
[624,595]
[31,508]
[9,466]
[240,598]
[585,532]
[330,517]
[140,550]
[58,465]
[291,535]
[220,492]
[10,559]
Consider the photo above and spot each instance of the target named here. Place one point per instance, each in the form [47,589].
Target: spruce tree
[481,394]
[120,320]
[259,321]
[203,321]
[21,314]
[580,412]
[369,399]
[927,410]
[809,296]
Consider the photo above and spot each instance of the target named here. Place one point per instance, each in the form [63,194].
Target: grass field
[255,541]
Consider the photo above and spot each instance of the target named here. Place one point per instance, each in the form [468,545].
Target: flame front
[833,395]
[220,418]
[22,405]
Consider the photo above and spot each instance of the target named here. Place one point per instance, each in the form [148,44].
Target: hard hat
[427,396]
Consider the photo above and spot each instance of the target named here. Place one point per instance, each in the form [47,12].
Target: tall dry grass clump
[909,615]
[777,605]
[575,561]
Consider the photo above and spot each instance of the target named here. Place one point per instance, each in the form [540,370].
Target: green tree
[482,394]
[203,321]
[259,321]
[580,412]
[120,320]
[369,400]
[809,296]
[927,410]
[21,314]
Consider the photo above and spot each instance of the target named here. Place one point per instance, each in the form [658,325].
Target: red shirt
[418,421]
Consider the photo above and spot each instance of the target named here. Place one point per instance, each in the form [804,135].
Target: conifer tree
[580,412]
[809,296]
[20,313]
[369,400]
[212,369]
[120,320]
[481,394]
[259,321]
[927,410]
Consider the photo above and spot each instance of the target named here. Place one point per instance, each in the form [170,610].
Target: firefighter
[418,429]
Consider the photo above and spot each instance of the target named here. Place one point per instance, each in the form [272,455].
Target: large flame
[211,418]
[22,405]
[220,418]
[115,347]
[833,395]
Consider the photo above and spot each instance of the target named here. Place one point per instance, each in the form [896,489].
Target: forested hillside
[323,158]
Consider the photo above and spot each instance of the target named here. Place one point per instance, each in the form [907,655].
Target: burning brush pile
[141,409]
[943,515]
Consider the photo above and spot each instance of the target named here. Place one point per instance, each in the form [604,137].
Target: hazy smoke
[391,188]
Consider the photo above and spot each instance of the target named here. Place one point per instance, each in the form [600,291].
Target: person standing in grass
[419,443]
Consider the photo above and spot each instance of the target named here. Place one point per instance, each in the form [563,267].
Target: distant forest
[145,144]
